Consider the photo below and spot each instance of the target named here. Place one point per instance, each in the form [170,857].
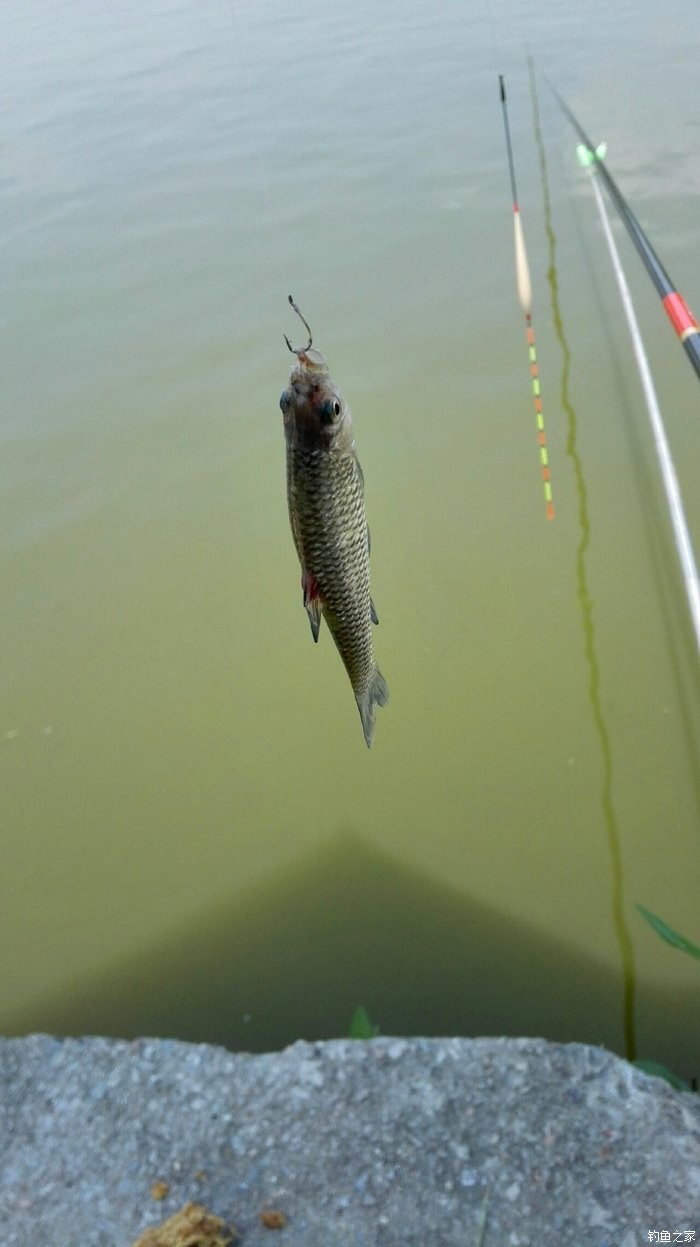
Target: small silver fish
[325,495]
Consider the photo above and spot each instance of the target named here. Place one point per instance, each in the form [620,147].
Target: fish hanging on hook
[325,495]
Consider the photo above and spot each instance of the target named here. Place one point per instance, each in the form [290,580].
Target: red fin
[312,601]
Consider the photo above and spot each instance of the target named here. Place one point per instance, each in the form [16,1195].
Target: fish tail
[377,694]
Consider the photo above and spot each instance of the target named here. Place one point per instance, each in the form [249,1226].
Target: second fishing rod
[675,306]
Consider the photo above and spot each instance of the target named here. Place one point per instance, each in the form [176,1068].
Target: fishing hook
[293,349]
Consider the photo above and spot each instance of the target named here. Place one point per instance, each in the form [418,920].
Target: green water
[194,837]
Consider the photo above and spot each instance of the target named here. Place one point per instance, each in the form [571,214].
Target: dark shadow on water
[293,956]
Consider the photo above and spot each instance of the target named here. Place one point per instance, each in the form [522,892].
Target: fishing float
[592,160]
[675,306]
[524,288]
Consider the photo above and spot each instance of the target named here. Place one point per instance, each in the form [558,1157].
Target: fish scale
[327,515]
[325,494]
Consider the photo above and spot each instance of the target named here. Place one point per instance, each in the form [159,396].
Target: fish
[325,497]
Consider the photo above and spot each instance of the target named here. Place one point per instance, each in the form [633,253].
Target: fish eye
[329,411]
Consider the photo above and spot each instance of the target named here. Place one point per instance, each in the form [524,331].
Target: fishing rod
[675,306]
[524,288]
[592,161]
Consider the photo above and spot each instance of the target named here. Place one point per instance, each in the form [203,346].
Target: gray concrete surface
[388,1142]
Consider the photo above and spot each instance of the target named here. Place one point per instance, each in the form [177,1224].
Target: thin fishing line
[585,600]
[524,288]
[684,545]
[238,43]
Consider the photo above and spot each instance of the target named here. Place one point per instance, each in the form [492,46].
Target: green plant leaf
[362,1026]
[661,1071]
[668,934]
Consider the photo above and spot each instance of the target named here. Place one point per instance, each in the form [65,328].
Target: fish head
[313,407]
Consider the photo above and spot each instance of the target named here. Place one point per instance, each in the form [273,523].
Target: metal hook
[293,349]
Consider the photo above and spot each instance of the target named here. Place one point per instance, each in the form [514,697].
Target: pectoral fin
[373,612]
[312,602]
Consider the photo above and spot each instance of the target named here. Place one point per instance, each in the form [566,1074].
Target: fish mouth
[310,360]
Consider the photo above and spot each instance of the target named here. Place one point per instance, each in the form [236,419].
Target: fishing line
[238,43]
[675,306]
[524,288]
[591,159]
[619,923]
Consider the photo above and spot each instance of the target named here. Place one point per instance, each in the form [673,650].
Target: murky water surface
[195,839]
